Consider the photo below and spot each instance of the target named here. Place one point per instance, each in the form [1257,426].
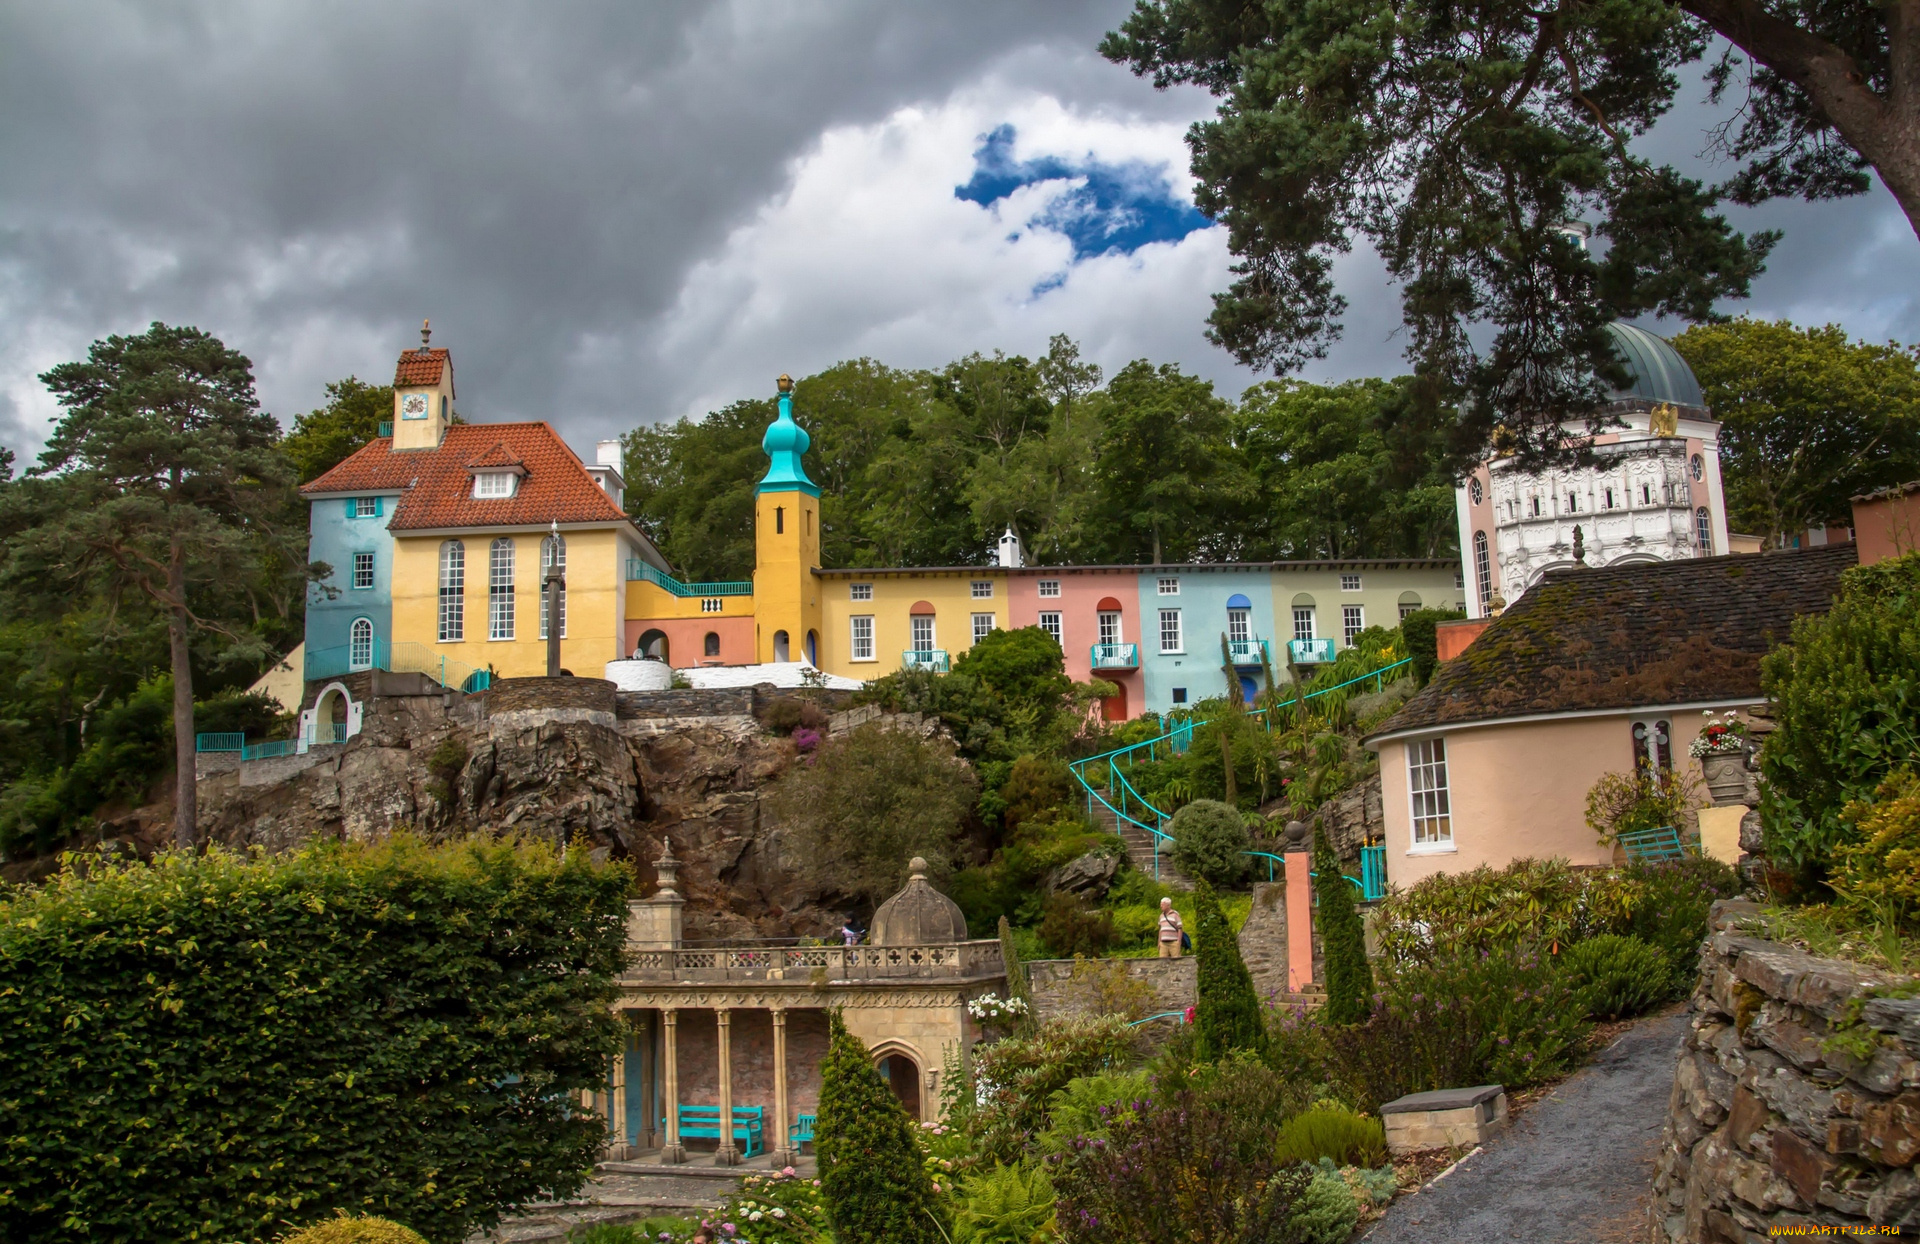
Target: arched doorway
[781,647]
[1114,707]
[902,1075]
[813,648]
[653,644]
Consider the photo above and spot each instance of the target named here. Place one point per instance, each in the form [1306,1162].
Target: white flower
[755,1216]
[778,1212]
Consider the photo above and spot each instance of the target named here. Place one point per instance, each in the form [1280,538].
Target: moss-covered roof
[1680,632]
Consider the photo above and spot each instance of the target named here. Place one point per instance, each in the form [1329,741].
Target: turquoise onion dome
[785,443]
[1659,373]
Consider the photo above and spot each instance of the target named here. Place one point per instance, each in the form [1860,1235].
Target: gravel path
[1575,1167]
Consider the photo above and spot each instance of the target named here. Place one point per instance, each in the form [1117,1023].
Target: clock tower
[422,395]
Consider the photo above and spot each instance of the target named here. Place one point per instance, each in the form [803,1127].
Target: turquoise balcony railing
[386,427]
[401,658]
[266,751]
[639,571]
[1247,651]
[1373,873]
[934,659]
[219,741]
[1310,651]
[1116,656]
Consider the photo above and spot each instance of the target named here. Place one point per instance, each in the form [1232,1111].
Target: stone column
[729,1153]
[673,1150]
[617,1149]
[786,1153]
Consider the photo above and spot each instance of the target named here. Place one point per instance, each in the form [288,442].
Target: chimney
[606,471]
[1010,554]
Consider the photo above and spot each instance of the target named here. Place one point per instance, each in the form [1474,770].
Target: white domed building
[1653,493]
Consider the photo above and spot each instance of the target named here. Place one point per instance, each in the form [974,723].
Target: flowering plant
[993,1009]
[1721,736]
[781,1208]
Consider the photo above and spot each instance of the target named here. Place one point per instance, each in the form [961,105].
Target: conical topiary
[1228,1015]
[871,1177]
[1343,941]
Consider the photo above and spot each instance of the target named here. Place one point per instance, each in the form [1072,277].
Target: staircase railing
[1176,741]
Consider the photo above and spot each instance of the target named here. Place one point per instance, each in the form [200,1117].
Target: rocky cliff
[564,759]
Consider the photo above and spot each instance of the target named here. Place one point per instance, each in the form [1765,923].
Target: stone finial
[1296,835]
[917,867]
[668,870]
[918,915]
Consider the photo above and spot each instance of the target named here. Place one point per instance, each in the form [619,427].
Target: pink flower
[786,1170]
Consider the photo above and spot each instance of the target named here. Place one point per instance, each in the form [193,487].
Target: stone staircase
[1140,847]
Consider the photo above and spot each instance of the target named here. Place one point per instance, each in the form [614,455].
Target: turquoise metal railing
[324,732]
[1116,656]
[1247,651]
[263,751]
[386,427]
[1179,1015]
[1373,873]
[639,571]
[219,741]
[934,659]
[1311,651]
[400,658]
[1176,741]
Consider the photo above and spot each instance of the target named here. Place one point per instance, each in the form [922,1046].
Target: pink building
[1094,614]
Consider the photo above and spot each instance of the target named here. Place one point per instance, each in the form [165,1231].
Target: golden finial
[785,382]
[1665,420]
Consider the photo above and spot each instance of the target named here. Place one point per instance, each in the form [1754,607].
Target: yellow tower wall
[786,596]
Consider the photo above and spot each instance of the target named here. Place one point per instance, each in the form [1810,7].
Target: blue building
[353,607]
[1185,611]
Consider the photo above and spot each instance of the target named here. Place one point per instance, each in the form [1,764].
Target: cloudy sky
[616,213]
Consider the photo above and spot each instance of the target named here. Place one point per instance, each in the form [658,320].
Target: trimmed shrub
[1342,939]
[1330,1131]
[1326,1212]
[871,1177]
[354,1231]
[1423,645]
[1617,976]
[1228,1015]
[1034,785]
[1071,929]
[1880,874]
[1209,842]
[402,1029]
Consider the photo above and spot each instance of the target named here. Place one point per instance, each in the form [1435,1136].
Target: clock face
[413,406]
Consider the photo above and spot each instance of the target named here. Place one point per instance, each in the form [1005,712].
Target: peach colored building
[1886,522]
[1591,672]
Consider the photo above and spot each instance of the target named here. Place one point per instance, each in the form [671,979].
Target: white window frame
[355,659]
[366,507]
[1703,530]
[1171,629]
[500,605]
[1353,620]
[1304,614]
[1407,611]
[860,591]
[1050,588]
[1474,491]
[363,562]
[453,588]
[1429,799]
[494,485]
[1483,569]
[861,632]
[1112,629]
[1050,623]
[983,589]
[1349,582]
[914,625]
[1239,625]
[548,547]
[982,626]
[1168,587]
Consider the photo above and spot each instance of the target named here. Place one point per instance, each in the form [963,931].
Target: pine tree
[1228,1015]
[871,1177]
[1342,940]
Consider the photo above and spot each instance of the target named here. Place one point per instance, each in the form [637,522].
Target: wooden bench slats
[703,1122]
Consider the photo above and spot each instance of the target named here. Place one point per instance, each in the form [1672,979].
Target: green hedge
[220,1047]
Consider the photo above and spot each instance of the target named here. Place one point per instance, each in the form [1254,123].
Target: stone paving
[631,1191]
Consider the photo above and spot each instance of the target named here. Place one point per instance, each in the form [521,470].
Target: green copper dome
[1659,373]
[785,443]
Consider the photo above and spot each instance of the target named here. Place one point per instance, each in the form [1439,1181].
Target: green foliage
[344,1230]
[870,801]
[1090,1105]
[1006,1205]
[1617,976]
[1666,905]
[1210,841]
[1420,629]
[1336,122]
[1017,1078]
[1227,1016]
[1158,462]
[871,1178]
[1335,1132]
[322,439]
[1034,785]
[1016,972]
[1024,668]
[424,1016]
[1808,419]
[1620,803]
[1326,1212]
[1343,941]
[777,1209]
[1071,929]
[1011,883]
[1846,695]
[1880,873]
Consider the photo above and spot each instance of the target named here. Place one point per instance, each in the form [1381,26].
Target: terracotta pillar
[1299,920]
[785,1154]
[673,1150]
[729,1153]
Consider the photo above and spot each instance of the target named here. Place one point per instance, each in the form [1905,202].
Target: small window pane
[1169,587]
[860,591]
[1110,629]
[983,589]
[500,618]
[1427,784]
[922,633]
[1303,623]
[453,587]
[1049,587]
[1353,620]
[1349,582]
[363,570]
[1050,623]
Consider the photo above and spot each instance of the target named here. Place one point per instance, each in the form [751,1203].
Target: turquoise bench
[1643,845]
[801,1133]
[704,1121]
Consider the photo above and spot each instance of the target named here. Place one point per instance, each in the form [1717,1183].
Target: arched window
[711,645]
[1699,466]
[1703,528]
[1483,569]
[1473,490]
[453,588]
[553,556]
[781,648]
[360,644]
[500,589]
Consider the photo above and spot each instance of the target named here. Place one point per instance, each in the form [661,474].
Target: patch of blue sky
[1109,208]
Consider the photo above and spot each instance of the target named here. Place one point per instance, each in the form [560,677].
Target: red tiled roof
[419,367]
[437,488]
[497,456]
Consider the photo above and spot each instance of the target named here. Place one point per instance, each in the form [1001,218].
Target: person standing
[1170,930]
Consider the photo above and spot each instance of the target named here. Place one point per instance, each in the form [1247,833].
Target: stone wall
[1772,1124]
[1056,994]
[662,705]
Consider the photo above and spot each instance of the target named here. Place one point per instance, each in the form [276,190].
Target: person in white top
[1170,930]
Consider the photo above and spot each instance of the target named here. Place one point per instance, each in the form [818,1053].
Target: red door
[1114,707]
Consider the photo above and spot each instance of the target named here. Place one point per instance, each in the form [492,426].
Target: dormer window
[492,485]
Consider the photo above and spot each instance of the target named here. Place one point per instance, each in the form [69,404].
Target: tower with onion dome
[786,593]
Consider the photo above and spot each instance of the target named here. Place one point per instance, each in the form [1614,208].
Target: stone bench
[1444,1118]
